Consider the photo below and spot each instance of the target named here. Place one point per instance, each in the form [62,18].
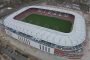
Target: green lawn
[49,22]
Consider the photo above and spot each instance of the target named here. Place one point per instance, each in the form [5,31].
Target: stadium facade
[45,39]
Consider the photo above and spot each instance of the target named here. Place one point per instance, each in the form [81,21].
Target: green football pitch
[49,22]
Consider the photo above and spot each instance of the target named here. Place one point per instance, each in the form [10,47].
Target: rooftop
[75,37]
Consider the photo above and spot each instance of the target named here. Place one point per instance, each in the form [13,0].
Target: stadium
[50,29]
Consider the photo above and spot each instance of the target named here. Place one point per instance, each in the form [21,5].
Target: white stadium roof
[75,37]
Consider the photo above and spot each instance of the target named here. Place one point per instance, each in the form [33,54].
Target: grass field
[49,22]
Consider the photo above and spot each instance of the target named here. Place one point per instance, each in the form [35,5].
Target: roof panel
[77,34]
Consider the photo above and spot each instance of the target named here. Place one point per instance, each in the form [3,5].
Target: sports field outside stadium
[49,22]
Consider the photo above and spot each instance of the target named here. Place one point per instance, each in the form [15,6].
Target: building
[50,40]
